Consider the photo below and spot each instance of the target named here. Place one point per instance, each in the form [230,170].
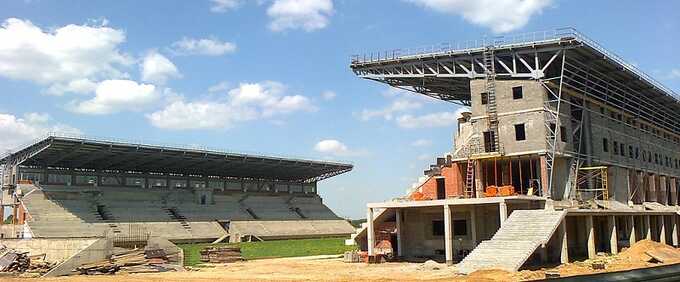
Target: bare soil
[333,269]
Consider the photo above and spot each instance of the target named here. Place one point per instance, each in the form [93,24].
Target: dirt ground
[324,268]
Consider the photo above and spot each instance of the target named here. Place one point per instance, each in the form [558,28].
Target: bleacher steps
[517,239]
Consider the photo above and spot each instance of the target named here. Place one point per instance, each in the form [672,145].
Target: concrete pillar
[648,228]
[370,231]
[590,231]
[503,210]
[613,236]
[662,229]
[652,188]
[631,228]
[448,235]
[544,176]
[674,236]
[564,248]
[641,186]
[674,191]
[663,197]
[473,225]
[400,250]
[479,184]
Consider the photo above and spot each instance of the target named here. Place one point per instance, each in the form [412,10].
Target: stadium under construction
[565,151]
[75,187]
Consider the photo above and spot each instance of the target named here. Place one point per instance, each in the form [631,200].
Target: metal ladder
[470,178]
[489,65]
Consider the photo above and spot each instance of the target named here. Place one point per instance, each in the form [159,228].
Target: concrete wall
[55,250]
[98,250]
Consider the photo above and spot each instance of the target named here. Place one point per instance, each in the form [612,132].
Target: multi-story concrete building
[555,122]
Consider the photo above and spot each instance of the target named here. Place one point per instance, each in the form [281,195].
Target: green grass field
[274,249]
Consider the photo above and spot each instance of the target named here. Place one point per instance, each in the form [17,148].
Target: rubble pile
[20,262]
[221,254]
[132,261]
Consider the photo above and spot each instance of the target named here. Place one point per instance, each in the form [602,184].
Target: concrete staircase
[519,237]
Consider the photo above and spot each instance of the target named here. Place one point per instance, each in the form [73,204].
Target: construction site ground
[332,268]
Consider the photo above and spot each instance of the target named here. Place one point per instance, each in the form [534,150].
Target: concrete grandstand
[75,187]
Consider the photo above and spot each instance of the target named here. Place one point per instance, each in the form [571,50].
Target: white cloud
[397,106]
[17,131]
[441,119]
[499,15]
[117,95]
[328,95]
[156,68]
[220,87]
[62,58]
[248,101]
[308,15]
[333,147]
[421,143]
[221,6]
[202,46]
[79,86]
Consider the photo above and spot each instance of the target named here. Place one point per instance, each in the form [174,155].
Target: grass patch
[273,249]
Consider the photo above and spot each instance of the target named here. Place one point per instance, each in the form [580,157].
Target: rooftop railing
[505,41]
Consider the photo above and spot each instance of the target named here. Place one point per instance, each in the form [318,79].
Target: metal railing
[139,142]
[505,41]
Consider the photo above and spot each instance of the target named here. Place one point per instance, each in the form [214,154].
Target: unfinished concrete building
[74,187]
[566,150]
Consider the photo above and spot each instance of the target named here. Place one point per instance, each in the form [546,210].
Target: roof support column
[613,238]
[674,191]
[370,231]
[663,197]
[448,235]
[590,234]
[641,186]
[652,188]
[400,232]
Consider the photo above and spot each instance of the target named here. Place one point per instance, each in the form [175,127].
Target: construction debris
[221,254]
[131,261]
[20,262]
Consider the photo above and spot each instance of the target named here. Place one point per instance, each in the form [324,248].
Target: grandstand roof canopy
[100,154]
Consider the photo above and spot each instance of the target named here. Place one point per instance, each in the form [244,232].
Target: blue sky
[272,76]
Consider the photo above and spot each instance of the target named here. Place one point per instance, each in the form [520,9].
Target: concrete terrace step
[517,239]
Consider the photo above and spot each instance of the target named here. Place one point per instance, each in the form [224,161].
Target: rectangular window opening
[517,92]
[520,133]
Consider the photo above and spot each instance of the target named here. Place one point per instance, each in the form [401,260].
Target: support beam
[662,229]
[370,232]
[400,232]
[564,248]
[632,230]
[663,197]
[648,228]
[613,238]
[448,235]
[479,184]
[674,191]
[544,176]
[590,234]
[473,225]
[503,211]
[674,236]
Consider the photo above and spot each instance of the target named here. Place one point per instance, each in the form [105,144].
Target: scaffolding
[592,181]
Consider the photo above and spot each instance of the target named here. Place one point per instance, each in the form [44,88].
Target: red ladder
[470,179]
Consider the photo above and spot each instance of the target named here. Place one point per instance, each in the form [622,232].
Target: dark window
[489,141]
[551,134]
[520,134]
[602,110]
[616,148]
[517,92]
[637,153]
[563,133]
[623,149]
[459,227]
[485,98]
[441,189]
[630,151]
[437,228]
[605,145]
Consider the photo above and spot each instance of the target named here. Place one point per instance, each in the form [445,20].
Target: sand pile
[641,250]
[491,275]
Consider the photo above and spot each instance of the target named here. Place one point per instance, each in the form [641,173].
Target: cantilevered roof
[63,151]
[444,71]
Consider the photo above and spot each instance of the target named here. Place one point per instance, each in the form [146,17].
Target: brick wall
[453,183]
